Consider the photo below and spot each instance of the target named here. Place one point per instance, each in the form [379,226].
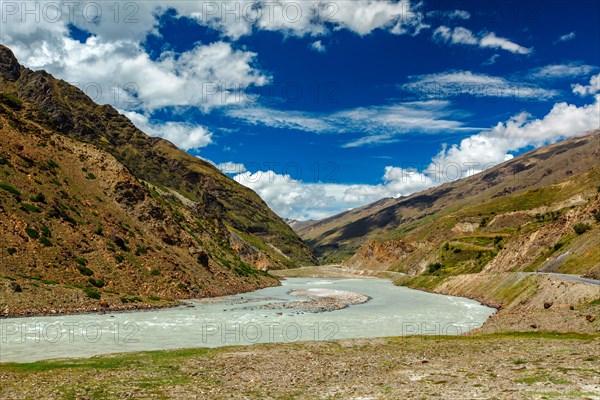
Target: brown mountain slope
[338,237]
[94,213]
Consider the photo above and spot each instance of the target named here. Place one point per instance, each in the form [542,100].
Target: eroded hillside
[95,214]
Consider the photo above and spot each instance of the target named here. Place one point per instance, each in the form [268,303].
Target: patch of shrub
[434,267]
[90,176]
[92,293]
[557,246]
[155,272]
[85,270]
[96,282]
[131,299]
[81,261]
[46,231]
[597,216]
[52,164]
[581,228]
[498,239]
[11,251]
[154,298]
[119,257]
[140,250]
[38,198]
[99,230]
[9,188]
[11,100]
[484,221]
[32,233]
[45,241]
[30,208]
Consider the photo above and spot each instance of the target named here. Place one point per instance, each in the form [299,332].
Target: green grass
[542,378]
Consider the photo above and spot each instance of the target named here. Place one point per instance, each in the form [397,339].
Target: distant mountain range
[518,216]
[96,214]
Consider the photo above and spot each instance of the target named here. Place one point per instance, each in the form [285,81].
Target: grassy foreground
[507,366]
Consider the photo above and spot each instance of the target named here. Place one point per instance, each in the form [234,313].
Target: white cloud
[456,35]
[122,74]
[318,46]
[562,71]
[495,42]
[295,199]
[584,90]
[454,83]
[291,198]
[231,167]
[379,124]
[464,36]
[494,146]
[565,37]
[183,135]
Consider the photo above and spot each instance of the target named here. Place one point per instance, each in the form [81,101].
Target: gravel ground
[508,366]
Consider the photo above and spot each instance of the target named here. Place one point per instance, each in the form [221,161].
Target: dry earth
[526,366]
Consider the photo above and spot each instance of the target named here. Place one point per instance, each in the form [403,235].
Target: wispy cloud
[562,71]
[460,83]
[449,15]
[464,36]
[492,60]
[379,124]
[566,37]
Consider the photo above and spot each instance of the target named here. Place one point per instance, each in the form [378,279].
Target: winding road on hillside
[568,277]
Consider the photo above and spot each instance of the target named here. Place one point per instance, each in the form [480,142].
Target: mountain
[550,178]
[95,213]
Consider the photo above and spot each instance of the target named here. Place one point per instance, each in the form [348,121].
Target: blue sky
[324,111]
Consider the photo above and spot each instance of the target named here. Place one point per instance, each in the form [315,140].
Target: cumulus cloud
[295,199]
[122,73]
[464,36]
[454,83]
[318,46]
[183,135]
[585,90]
[494,146]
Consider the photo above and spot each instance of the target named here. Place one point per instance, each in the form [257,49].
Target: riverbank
[507,366]
[526,302]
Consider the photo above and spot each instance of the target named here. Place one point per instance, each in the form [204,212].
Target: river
[243,319]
